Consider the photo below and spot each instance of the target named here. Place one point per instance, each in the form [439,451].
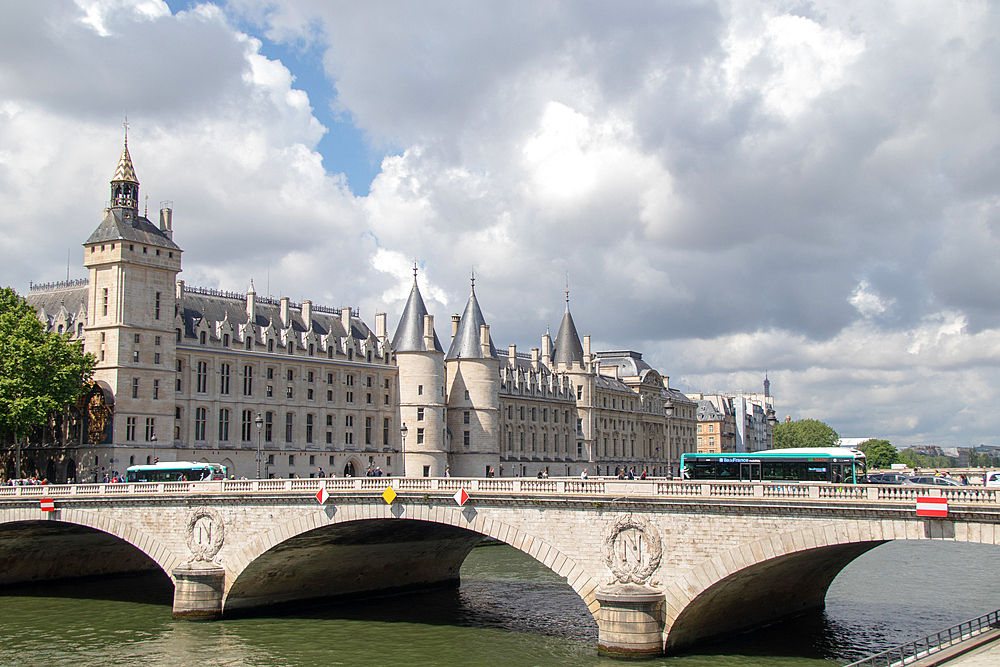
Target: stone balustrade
[611,488]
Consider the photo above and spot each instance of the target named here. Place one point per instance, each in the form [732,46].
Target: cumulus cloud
[808,188]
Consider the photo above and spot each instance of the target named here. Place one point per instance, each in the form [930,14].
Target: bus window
[816,473]
[727,470]
[704,470]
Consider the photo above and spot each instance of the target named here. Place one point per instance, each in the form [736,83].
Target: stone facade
[189,371]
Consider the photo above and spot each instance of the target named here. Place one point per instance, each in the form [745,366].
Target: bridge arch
[791,570]
[468,520]
[146,544]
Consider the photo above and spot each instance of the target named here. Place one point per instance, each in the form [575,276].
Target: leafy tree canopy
[804,433]
[40,372]
[879,454]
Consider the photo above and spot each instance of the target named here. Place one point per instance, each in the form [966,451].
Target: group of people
[26,481]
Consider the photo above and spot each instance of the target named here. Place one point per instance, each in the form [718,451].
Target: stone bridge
[660,564]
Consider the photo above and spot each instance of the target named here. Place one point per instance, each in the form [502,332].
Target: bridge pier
[630,622]
[198,591]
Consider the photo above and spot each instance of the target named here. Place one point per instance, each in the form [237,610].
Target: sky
[805,189]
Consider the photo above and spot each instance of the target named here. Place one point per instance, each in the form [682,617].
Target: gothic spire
[124,184]
[409,335]
[466,342]
[568,349]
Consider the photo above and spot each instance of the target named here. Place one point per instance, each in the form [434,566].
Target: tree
[40,373]
[804,433]
[879,454]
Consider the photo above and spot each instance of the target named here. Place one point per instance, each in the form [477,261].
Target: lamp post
[152,439]
[402,433]
[668,410]
[259,421]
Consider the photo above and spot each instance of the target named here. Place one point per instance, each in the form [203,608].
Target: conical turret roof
[567,344]
[125,171]
[410,330]
[466,342]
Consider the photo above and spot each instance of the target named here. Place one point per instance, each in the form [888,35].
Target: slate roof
[198,307]
[410,331]
[466,342]
[567,344]
[629,363]
[123,224]
[61,305]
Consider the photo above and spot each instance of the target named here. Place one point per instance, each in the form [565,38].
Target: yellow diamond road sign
[388,495]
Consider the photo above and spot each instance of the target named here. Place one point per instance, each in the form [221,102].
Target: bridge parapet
[609,488]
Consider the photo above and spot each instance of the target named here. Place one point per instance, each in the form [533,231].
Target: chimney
[534,358]
[167,219]
[284,311]
[252,305]
[429,333]
[345,320]
[586,352]
[380,325]
[512,355]
[547,349]
[307,314]
[455,319]
[666,382]
[484,340]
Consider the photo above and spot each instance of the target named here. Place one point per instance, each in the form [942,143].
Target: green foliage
[804,433]
[914,460]
[983,460]
[40,373]
[879,454]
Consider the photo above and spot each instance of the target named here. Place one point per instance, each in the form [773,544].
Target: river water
[509,610]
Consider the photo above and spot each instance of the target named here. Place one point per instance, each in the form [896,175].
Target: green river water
[509,610]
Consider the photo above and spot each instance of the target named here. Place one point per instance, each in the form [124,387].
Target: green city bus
[176,471]
[807,464]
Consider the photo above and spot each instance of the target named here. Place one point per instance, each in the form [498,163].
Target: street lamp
[152,439]
[668,410]
[259,421]
[402,432]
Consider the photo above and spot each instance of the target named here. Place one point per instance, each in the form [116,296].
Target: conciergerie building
[195,374]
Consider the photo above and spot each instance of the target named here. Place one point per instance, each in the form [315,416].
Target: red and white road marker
[322,495]
[936,507]
[47,504]
[460,497]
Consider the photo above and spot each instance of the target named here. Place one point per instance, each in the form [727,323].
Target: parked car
[931,481]
[993,478]
[886,478]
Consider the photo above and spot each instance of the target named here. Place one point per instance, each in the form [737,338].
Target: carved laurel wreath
[625,572]
[205,552]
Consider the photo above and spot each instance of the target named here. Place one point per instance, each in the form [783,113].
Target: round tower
[422,409]
[473,396]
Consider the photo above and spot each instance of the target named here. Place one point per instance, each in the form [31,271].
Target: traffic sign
[48,505]
[389,495]
[936,507]
[322,495]
[460,497]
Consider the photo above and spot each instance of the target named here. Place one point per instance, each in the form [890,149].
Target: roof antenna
[473,279]
[414,270]
[145,212]
[125,125]
[67,264]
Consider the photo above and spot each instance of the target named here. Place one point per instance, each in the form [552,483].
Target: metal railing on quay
[910,652]
[715,490]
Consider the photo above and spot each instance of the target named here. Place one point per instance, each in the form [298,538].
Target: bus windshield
[176,471]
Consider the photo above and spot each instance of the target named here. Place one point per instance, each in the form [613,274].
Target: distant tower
[572,360]
[422,408]
[767,386]
[133,265]
[473,395]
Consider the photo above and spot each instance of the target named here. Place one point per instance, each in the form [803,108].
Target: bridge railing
[910,652]
[552,486]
